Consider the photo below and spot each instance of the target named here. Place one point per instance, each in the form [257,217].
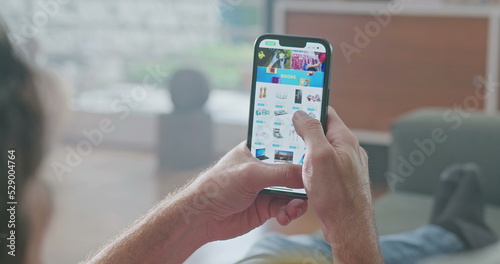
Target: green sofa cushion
[427,141]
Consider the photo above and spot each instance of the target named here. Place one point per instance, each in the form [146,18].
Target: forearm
[353,237]
[162,236]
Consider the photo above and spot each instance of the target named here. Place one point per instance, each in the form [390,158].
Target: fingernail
[301,115]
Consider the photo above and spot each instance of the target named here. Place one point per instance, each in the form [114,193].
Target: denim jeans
[405,248]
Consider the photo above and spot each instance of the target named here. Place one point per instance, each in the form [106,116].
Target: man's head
[21,130]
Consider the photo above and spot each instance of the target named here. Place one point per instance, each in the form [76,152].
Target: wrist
[204,200]
[161,234]
[193,205]
[346,204]
[352,234]
[183,229]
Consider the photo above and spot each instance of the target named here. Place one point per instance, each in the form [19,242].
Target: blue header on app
[290,77]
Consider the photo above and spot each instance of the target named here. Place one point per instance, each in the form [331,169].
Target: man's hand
[335,169]
[228,196]
[335,175]
[224,202]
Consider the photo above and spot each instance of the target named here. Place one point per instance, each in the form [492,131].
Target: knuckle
[248,168]
[353,138]
[249,177]
[364,155]
[322,154]
[312,123]
[308,124]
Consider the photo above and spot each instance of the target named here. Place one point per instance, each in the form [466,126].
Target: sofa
[424,143]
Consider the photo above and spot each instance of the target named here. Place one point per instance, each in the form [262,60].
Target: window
[106,48]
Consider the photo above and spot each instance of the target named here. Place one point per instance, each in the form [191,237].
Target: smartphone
[290,73]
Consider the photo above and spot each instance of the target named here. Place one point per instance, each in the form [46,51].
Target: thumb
[309,129]
[288,175]
[261,175]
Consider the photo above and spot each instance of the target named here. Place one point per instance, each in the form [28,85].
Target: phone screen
[290,74]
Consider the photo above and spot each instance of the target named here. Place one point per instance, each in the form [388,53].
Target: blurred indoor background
[116,59]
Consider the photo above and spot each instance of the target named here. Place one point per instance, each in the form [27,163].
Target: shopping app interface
[287,80]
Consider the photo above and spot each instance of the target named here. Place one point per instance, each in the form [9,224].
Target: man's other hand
[227,195]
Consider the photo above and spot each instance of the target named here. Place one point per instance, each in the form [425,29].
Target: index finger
[311,131]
